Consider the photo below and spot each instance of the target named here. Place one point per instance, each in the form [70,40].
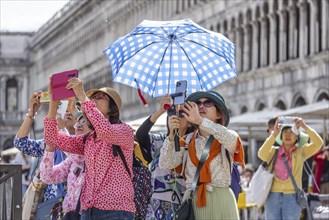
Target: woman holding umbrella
[208,111]
[108,191]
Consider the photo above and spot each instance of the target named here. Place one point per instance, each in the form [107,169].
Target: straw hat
[108,91]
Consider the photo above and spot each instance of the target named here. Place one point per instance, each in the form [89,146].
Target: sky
[27,15]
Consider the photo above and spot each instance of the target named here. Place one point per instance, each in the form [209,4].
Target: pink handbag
[58,84]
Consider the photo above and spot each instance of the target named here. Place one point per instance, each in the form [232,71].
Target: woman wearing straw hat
[281,202]
[108,191]
[213,198]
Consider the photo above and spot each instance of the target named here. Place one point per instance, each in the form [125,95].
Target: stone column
[246,48]
[256,45]
[283,34]
[292,33]
[302,30]
[314,28]
[325,25]
[263,41]
[238,49]
[272,39]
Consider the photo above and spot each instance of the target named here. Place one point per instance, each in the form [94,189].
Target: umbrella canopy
[157,54]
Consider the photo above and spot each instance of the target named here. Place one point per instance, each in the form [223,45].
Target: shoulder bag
[261,182]
[32,197]
[301,196]
[185,210]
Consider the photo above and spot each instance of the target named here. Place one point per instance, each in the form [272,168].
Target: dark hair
[271,123]
[285,128]
[114,114]
[220,110]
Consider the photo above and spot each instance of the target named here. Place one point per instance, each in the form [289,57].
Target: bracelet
[29,114]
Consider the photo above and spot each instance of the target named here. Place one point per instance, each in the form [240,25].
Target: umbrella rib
[209,50]
[158,35]
[191,64]
[160,67]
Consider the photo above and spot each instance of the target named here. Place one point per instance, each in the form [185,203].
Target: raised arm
[34,105]
[118,134]
[316,141]
[49,173]
[169,158]
[31,147]
[142,133]
[72,144]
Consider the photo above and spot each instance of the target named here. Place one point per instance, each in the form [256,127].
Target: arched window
[11,94]
[260,106]
[299,102]
[280,105]
[218,27]
[225,28]
[244,109]
[322,96]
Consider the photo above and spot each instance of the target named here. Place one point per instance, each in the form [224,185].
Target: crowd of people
[78,157]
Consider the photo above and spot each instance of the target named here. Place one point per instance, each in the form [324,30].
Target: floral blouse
[107,186]
[36,148]
[70,170]
[219,166]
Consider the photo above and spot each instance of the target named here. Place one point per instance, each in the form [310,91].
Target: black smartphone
[180,92]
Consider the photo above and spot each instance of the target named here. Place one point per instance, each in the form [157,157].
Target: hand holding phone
[59,82]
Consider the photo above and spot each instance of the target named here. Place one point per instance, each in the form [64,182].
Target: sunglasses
[99,96]
[207,103]
[80,123]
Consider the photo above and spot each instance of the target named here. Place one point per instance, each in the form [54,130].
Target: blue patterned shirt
[36,148]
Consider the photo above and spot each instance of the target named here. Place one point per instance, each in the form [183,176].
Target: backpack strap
[85,137]
[117,151]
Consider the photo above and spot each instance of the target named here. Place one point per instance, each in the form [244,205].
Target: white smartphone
[62,108]
[181,87]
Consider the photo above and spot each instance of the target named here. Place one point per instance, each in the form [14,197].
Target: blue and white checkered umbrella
[159,53]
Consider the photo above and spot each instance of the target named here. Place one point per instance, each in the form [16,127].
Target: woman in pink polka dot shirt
[108,191]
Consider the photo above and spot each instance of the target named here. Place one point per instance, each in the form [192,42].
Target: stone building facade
[282,51]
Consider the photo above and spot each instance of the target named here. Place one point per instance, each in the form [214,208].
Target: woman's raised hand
[173,123]
[276,128]
[53,104]
[34,103]
[191,113]
[300,123]
[165,103]
[77,85]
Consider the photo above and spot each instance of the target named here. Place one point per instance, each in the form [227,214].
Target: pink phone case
[58,84]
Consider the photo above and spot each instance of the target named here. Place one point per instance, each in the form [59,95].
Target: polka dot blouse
[107,184]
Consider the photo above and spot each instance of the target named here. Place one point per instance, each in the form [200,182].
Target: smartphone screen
[180,88]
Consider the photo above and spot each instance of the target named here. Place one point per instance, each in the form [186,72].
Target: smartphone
[285,120]
[62,108]
[58,84]
[44,97]
[180,93]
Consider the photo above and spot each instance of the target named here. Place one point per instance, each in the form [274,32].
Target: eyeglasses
[99,96]
[80,123]
[207,103]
